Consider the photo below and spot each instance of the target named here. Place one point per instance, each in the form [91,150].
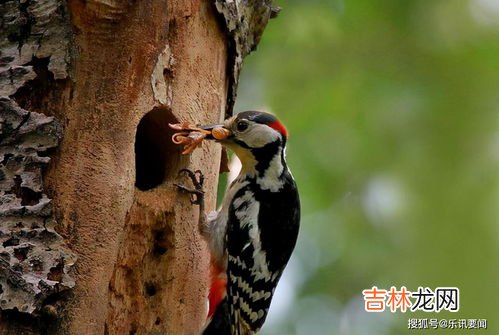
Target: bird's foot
[197,179]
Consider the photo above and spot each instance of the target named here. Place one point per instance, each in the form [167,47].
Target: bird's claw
[197,179]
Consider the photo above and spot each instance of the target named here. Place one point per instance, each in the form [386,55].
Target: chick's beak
[218,132]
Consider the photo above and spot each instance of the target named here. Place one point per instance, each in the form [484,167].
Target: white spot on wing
[248,216]
[218,223]
[246,288]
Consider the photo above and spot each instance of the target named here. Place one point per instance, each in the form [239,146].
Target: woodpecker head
[255,137]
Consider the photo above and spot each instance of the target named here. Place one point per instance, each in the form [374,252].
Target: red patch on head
[279,127]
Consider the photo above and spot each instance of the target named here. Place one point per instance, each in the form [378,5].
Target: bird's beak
[218,132]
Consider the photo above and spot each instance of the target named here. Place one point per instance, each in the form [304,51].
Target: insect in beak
[192,136]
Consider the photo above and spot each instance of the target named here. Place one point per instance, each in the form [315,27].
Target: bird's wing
[250,284]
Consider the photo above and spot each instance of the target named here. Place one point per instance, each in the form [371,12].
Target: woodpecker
[251,237]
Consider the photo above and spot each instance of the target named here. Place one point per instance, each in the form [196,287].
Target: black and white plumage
[253,234]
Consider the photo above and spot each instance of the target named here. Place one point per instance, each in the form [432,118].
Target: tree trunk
[95,238]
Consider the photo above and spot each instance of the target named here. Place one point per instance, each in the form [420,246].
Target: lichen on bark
[245,21]
[31,29]
[34,262]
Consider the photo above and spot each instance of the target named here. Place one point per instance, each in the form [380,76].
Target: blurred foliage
[393,111]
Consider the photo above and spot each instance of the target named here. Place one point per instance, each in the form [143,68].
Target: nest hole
[150,289]
[160,242]
[156,156]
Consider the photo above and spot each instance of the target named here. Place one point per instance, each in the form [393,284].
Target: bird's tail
[220,323]
[218,313]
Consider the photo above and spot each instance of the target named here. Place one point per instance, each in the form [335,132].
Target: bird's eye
[242,126]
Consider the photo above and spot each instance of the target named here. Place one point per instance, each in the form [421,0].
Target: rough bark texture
[34,263]
[95,237]
[245,21]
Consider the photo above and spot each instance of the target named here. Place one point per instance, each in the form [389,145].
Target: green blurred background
[393,113]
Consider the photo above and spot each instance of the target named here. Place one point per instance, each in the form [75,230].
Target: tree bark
[95,238]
